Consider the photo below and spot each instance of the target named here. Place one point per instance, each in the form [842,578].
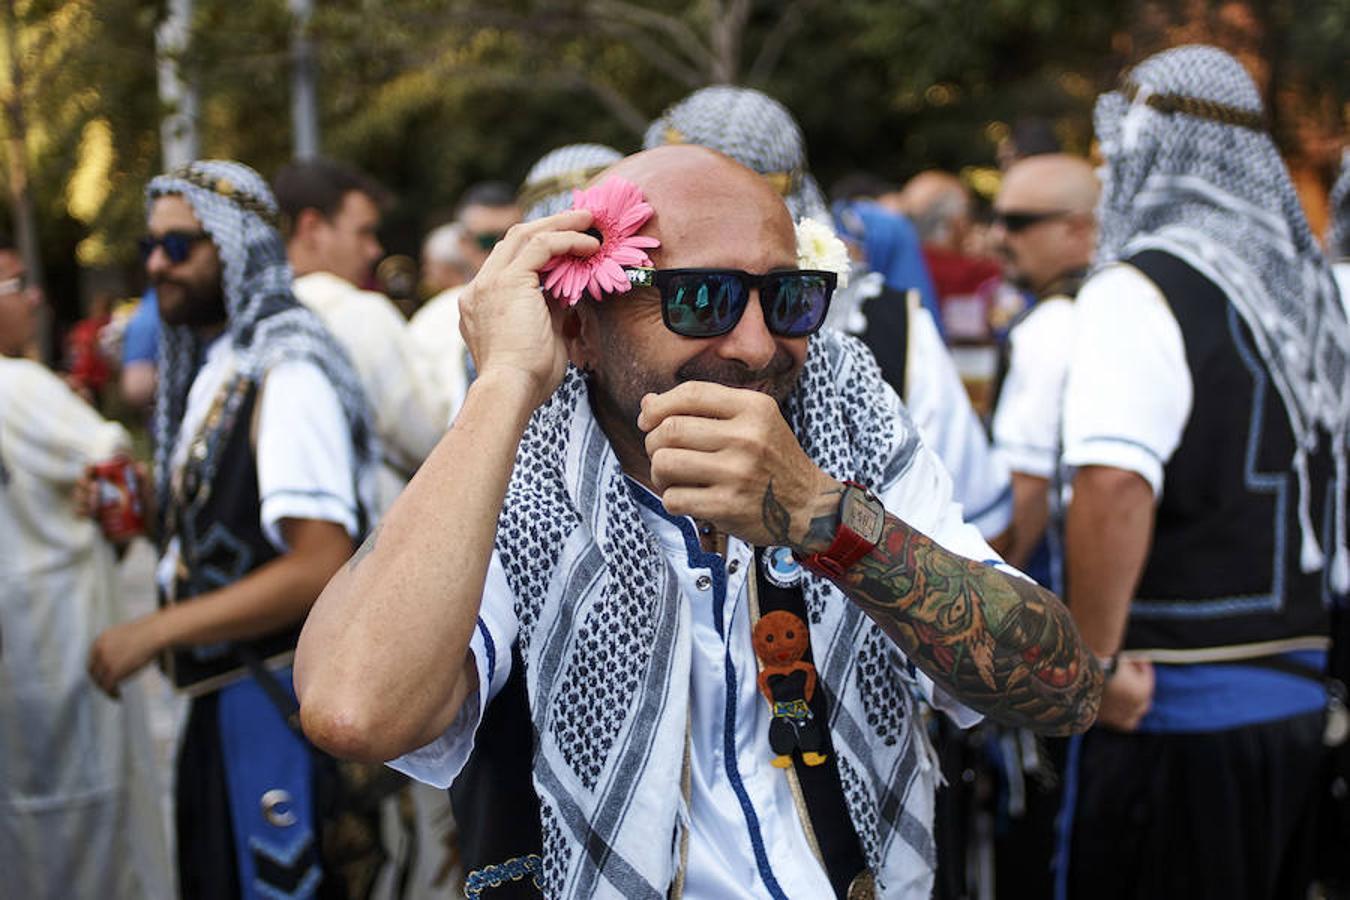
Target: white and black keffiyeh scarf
[752,128]
[266,324]
[605,638]
[547,189]
[1191,170]
[1338,241]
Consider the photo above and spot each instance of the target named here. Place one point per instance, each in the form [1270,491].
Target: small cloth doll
[788,683]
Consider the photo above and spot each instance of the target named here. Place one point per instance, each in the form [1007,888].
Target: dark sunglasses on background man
[1014,222]
[704,303]
[486,240]
[177,244]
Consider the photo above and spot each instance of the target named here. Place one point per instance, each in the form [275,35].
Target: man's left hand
[121,651]
[726,455]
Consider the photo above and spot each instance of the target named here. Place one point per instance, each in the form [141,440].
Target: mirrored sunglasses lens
[704,305]
[796,303]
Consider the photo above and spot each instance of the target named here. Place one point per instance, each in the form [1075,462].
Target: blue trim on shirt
[717,567]
[490,649]
[1217,696]
[1128,442]
[697,557]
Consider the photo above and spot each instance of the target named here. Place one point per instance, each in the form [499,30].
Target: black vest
[1224,565]
[221,540]
[887,335]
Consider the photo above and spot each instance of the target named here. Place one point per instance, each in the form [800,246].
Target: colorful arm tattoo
[995,642]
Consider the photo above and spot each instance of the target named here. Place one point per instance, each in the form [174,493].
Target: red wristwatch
[862,518]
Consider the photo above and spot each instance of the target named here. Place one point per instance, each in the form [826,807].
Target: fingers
[689,433]
[677,466]
[101,672]
[509,247]
[700,398]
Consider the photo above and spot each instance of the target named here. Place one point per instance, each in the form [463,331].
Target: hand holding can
[117,502]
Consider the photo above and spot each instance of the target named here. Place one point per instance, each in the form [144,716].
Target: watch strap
[847,547]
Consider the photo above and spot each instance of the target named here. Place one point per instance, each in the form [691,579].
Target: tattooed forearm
[364,550]
[999,644]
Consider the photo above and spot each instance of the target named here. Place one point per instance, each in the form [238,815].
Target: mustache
[735,374]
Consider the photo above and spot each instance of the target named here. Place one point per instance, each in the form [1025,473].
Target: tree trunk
[304,93]
[178,128]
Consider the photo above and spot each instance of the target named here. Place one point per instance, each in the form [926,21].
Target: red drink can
[119,499]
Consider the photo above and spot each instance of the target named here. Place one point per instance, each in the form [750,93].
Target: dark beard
[203,305]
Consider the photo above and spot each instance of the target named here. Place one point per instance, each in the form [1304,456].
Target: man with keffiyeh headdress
[264,452]
[1206,421]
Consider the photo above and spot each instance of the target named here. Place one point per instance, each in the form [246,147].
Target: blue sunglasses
[704,303]
[177,244]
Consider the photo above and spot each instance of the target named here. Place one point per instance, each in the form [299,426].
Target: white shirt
[79,792]
[434,331]
[940,407]
[1027,420]
[721,862]
[1129,390]
[303,451]
[409,406]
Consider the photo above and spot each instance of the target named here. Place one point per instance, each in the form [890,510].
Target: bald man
[613,530]
[1045,230]
[939,204]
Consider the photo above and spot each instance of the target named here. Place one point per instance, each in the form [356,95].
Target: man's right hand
[1128,695]
[505,319]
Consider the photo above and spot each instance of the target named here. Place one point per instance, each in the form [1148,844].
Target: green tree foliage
[432,95]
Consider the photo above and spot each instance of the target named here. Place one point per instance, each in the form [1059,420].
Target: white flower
[819,248]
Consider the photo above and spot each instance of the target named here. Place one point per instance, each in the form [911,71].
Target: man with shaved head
[644,491]
[1045,229]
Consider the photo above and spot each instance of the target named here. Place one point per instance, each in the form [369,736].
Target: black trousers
[206,863]
[1225,815]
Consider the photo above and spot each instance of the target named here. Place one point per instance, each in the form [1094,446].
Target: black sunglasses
[486,240]
[177,244]
[1014,222]
[704,303]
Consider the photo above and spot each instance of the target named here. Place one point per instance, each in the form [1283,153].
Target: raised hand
[726,455]
[507,323]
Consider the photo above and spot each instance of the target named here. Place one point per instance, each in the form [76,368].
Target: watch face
[863,514]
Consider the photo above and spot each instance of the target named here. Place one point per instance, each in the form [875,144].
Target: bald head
[1044,213]
[1050,182]
[939,205]
[707,204]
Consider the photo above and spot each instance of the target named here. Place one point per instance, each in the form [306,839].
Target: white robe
[79,795]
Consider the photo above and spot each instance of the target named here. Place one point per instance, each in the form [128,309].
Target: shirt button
[734,566]
[703,583]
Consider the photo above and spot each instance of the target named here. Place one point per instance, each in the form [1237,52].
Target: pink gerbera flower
[618,211]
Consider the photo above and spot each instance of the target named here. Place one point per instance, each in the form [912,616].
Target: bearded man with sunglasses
[264,463]
[625,520]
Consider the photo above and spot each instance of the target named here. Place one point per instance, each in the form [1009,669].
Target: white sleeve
[922,498]
[305,456]
[439,762]
[1027,419]
[1129,389]
[49,432]
[434,335]
[941,408]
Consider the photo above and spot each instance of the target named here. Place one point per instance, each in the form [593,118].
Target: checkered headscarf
[752,128]
[548,186]
[1338,244]
[1192,170]
[265,323]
